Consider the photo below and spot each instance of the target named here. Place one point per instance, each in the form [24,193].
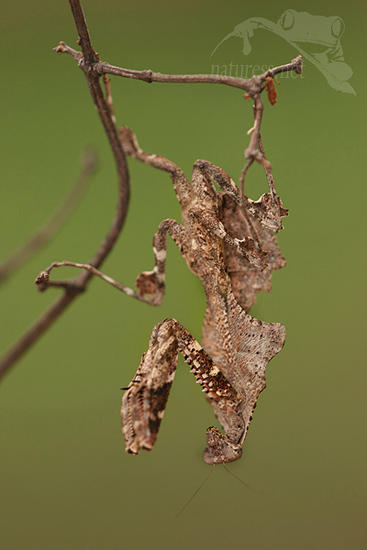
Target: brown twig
[252,86]
[71,291]
[52,226]
[252,151]
[255,150]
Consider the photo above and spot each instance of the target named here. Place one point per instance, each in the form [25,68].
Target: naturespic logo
[306,29]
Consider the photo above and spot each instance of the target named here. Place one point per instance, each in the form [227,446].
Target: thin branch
[252,85]
[53,225]
[255,150]
[34,332]
[79,285]
[81,27]
[252,151]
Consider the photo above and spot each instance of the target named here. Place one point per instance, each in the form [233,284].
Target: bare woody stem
[252,152]
[255,150]
[81,27]
[78,285]
[252,85]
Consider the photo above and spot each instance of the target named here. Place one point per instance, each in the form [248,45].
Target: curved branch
[81,27]
[107,119]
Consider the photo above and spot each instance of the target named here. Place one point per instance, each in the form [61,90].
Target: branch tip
[42,278]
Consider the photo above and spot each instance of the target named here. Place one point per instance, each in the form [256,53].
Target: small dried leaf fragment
[270,87]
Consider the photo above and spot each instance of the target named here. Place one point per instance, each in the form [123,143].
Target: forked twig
[255,150]
[252,85]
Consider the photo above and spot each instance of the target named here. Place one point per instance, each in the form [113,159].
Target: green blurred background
[66,481]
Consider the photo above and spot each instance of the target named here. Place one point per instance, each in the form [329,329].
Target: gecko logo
[306,29]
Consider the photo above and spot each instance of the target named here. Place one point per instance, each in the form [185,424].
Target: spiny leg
[145,400]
